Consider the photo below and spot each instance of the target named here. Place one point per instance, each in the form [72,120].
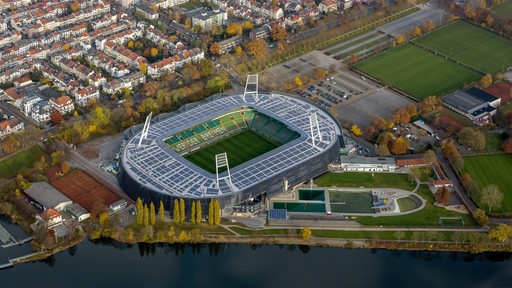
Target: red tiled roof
[50,213]
[410,162]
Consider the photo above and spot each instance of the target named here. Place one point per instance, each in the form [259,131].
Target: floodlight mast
[221,160]
[251,87]
[145,130]
[315,128]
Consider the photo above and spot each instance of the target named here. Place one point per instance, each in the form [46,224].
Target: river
[112,264]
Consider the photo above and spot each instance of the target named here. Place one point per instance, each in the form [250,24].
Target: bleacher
[273,129]
[211,129]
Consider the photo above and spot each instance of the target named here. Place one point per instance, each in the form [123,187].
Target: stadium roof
[158,167]
[44,194]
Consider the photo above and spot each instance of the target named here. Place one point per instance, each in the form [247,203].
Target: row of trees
[146,215]
[214,212]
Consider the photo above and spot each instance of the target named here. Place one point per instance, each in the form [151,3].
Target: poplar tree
[146,215]
[176,212]
[210,212]
[182,210]
[199,212]
[193,213]
[152,213]
[217,212]
[140,211]
[161,211]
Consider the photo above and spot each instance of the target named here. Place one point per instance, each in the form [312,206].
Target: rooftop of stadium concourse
[156,166]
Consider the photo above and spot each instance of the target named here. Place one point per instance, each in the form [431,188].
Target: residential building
[63,104]
[84,95]
[27,103]
[15,95]
[41,111]
[127,82]
[147,11]
[207,18]
[230,44]
[51,218]
[261,32]
[22,82]
[328,6]
[162,67]
[10,126]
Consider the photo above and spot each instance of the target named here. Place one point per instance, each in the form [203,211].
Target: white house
[63,104]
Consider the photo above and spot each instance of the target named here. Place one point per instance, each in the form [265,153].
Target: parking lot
[274,77]
[336,91]
[354,98]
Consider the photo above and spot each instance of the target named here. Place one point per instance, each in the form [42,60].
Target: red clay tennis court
[84,190]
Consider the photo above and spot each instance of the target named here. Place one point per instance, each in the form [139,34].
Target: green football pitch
[417,71]
[492,169]
[471,45]
[240,148]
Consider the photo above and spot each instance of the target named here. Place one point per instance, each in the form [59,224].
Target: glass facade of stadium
[295,174]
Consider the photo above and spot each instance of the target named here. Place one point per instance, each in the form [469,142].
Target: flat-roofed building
[78,212]
[207,18]
[370,164]
[474,103]
[47,196]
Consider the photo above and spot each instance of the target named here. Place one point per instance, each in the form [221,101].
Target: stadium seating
[212,129]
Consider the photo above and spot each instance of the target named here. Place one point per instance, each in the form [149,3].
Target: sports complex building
[200,152]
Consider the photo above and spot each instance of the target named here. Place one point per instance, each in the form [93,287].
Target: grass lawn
[418,72]
[24,159]
[189,5]
[406,204]
[471,45]
[381,235]
[240,148]
[428,216]
[492,169]
[245,231]
[503,10]
[360,179]
[493,142]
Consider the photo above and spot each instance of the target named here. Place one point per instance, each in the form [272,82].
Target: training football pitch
[417,71]
[492,169]
[471,45]
[240,148]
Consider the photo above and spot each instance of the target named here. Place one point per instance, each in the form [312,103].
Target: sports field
[362,179]
[471,45]
[351,201]
[417,71]
[492,169]
[240,148]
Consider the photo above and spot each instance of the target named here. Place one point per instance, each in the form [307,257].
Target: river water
[112,264]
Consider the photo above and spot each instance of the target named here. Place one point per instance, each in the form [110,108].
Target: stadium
[230,147]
